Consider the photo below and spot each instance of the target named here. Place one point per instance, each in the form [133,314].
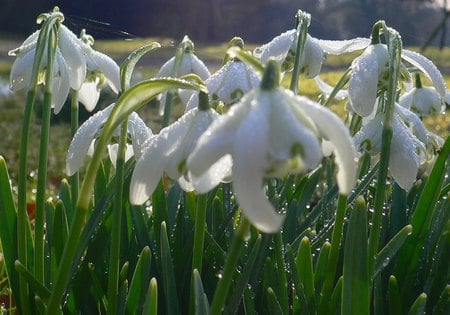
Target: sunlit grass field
[12,105]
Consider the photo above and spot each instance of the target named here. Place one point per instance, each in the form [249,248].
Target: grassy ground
[11,106]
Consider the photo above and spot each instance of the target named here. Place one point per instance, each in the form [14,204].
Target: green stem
[302,32]
[281,268]
[394,46]
[230,267]
[23,224]
[333,256]
[167,108]
[114,258]
[43,161]
[199,233]
[74,123]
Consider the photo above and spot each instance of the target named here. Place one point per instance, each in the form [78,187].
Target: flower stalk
[43,159]
[394,46]
[114,258]
[224,283]
[303,21]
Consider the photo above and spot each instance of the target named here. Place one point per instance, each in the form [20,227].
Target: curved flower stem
[303,20]
[333,256]
[394,46]
[74,122]
[43,161]
[224,283]
[114,258]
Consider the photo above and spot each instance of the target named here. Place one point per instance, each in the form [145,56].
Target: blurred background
[219,20]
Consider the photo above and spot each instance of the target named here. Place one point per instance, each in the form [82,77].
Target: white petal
[108,67]
[60,84]
[27,45]
[362,89]
[339,47]
[70,48]
[407,99]
[199,68]
[89,94]
[167,69]
[148,171]
[277,48]
[139,133]
[405,157]
[113,150]
[427,67]
[213,176]
[326,89]
[334,130]
[287,131]
[20,75]
[249,165]
[370,134]
[185,184]
[413,121]
[217,140]
[312,58]
[83,139]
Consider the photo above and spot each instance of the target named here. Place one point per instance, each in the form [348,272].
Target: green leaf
[394,300]
[356,283]
[305,272]
[384,257]
[139,283]
[66,198]
[201,300]
[321,267]
[273,303]
[418,308]
[168,275]
[37,286]
[410,256]
[8,228]
[238,291]
[249,306]
[336,296]
[151,299]
[60,232]
[237,52]
[127,67]
[442,306]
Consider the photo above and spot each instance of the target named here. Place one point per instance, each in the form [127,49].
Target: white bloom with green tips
[314,52]
[271,133]
[84,139]
[167,153]
[73,61]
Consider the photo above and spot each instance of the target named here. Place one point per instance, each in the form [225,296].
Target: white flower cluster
[77,66]
[266,131]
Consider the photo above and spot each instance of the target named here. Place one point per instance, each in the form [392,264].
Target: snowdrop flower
[408,144]
[372,67]
[229,84]
[272,132]
[190,63]
[73,60]
[424,100]
[83,141]
[282,48]
[168,151]
[327,89]
[101,69]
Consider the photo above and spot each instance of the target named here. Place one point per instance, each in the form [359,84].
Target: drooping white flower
[270,133]
[228,84]
[408,144]
[315,50]
[371,67]
[190,64]
[167,152]
[423,100]
[73,61]
[85,136]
